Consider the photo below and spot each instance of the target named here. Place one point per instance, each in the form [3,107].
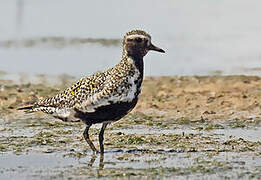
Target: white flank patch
[125,95]
[133,89]
[63,113]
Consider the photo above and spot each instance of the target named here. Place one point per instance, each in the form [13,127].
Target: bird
[106,96]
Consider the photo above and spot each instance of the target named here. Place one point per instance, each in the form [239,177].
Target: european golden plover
[103,97]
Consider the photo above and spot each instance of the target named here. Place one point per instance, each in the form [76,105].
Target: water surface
[203,37]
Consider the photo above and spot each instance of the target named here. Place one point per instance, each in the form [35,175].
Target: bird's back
[100,91]
[82,89]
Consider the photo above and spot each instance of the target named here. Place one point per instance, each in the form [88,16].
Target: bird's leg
[87,138]
[104,125]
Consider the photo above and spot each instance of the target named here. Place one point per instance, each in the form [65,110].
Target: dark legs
[104,125]
[87,138]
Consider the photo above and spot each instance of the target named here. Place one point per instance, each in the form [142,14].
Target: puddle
[192,165]
[247,134]
[29,166]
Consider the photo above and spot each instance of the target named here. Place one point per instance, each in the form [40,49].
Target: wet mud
[190,127]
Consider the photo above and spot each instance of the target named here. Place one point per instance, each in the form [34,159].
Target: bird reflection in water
[94,157]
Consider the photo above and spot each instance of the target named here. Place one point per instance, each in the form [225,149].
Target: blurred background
[77,38]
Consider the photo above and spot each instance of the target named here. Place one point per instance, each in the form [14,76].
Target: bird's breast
[132,89]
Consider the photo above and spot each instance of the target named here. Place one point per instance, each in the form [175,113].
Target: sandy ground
[209,97]
[192,97]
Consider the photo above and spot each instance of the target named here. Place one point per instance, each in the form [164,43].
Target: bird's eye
[138,40]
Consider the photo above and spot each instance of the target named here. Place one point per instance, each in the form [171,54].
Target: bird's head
[137,43]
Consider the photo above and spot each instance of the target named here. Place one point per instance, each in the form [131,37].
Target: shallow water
[206,37]
[180,166]
[38,147]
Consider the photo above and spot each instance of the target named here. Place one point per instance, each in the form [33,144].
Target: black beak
[155,48]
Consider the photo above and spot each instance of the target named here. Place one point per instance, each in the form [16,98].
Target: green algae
[213,126]
[75,155]
[2,148]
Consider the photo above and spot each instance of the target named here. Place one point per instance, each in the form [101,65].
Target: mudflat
[182,127]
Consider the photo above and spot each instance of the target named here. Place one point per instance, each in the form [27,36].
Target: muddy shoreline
[186,98]
[183,127]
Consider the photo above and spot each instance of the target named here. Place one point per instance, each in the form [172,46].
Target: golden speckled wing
[119,86]
[115,84]
[79,91]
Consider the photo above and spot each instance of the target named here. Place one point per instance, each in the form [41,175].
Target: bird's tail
[27,109]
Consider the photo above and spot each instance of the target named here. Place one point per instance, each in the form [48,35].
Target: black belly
[112,112]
